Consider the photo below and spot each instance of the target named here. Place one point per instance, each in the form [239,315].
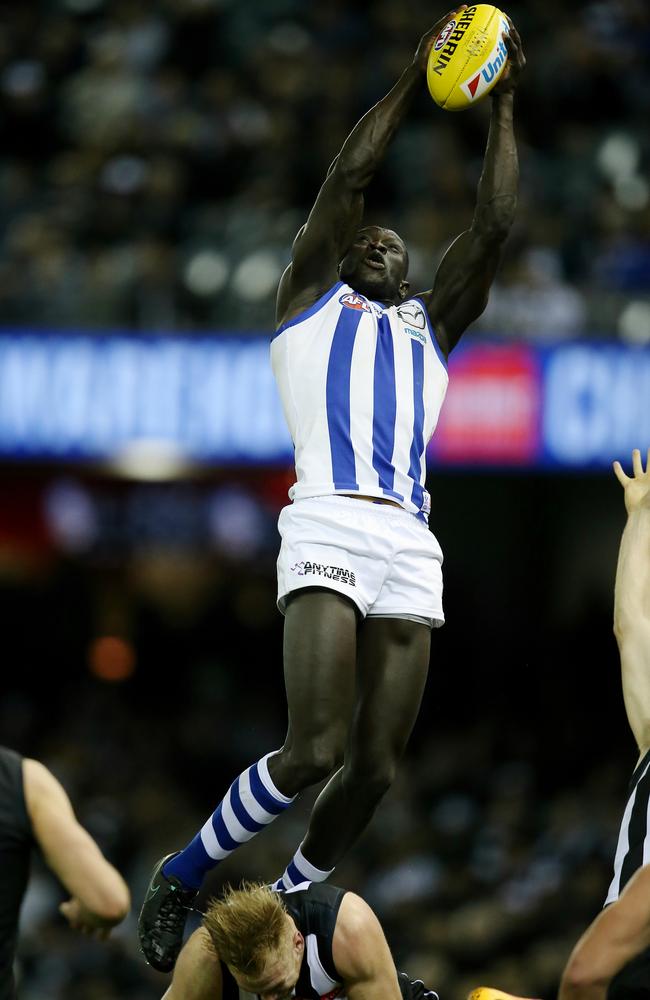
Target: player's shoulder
[355,916]
[38,780]
[306,304]
[358,940]
[198,970]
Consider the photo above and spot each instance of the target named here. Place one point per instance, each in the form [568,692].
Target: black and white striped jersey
[314,907]
[633,848]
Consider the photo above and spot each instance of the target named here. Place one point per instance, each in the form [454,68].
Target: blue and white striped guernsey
[361,386]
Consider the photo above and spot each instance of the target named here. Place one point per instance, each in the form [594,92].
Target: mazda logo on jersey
[354,301]
[413,314]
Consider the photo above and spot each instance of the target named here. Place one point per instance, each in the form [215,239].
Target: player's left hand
[84,921]
[637,487]
[422,52]
[516,62]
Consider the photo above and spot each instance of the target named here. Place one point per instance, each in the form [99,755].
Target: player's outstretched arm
[197,973]
[361,953]
[321,243]
[99,895]
[466,272]
[632,599]
[616,936]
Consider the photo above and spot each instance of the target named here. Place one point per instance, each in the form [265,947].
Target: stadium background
[155,162]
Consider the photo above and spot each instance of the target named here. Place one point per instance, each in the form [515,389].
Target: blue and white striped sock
[300,870]
[250,804]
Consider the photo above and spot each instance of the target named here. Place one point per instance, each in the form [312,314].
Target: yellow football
[468,57]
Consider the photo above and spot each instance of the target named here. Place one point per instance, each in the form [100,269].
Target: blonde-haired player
[313,941]
[612,958]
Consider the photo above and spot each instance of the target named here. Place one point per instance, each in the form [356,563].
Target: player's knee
[311,762]
[372,778]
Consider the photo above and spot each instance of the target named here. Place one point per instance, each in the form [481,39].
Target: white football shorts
[382,557]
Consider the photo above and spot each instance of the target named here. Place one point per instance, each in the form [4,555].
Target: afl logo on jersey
[354,301]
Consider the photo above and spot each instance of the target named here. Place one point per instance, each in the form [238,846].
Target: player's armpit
[70,851]
[461,286]
[320,244]
[361,953]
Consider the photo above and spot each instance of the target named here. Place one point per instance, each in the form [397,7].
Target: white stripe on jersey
[361,386]
[319,979]
[623,845]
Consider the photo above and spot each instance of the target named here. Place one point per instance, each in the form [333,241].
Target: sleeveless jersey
[633,848]
[361,386]
[632,852]
[15,849]
[314,907]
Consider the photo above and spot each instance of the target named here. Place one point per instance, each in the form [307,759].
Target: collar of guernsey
[361,385]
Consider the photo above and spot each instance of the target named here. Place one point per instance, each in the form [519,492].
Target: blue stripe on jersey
[337,396]
[417,445]
[432,334]
[384,408]
[302,316]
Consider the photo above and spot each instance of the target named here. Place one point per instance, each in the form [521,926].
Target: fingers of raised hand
[454,12]
[513,45]
[620,475]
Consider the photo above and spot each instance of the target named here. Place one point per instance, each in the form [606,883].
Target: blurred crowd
[156,159]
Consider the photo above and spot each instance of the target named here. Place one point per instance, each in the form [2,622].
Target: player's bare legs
[320,652]
[320,645]
[392,667]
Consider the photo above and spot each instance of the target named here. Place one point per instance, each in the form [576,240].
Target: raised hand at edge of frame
[637,486]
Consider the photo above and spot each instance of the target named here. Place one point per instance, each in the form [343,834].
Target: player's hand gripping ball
[468,57]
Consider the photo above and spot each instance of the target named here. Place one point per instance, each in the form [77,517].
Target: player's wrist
[503,105]
[414,74]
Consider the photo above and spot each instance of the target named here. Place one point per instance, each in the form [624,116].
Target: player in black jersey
[612,959]
[312,942]
[35,811]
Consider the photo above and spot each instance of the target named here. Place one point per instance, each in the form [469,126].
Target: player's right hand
[422,52]
[637,487]
[84,921]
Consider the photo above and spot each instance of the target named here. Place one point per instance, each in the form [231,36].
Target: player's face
[281,969]
[376,264]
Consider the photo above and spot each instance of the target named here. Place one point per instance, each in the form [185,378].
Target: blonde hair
[245,924]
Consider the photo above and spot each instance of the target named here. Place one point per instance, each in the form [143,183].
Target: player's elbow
[493,221]
[626,625]
[581,975]
[353,172]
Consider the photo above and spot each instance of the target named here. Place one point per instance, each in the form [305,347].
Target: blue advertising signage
[74,396]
